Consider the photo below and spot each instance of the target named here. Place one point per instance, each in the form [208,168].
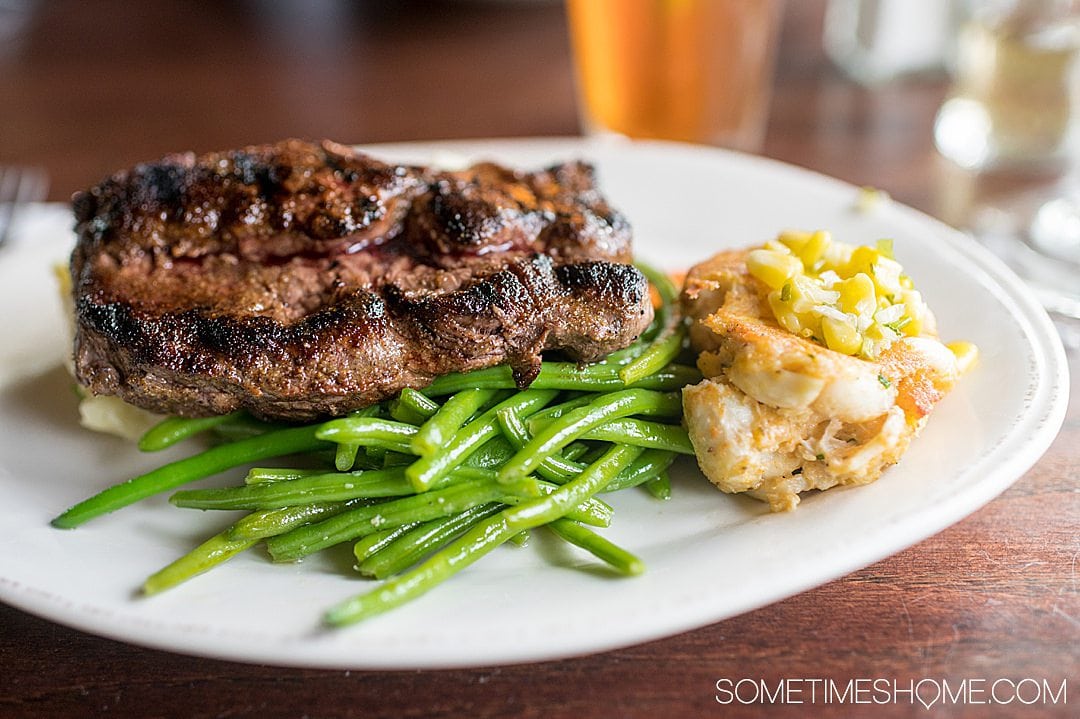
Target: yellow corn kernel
[869,198]
[878,331]
[967,354]
[913,327]
[916,310]
[779,247]
[862,260]
[772,268]
[857,295]
[814,248]
[811,327]
[886,275]
[783,313]
[795,239]
[840,336]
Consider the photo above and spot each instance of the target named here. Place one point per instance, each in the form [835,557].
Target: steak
[301,280]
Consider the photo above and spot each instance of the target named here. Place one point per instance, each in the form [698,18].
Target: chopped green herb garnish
[885,381]
[898,324]
[785,292]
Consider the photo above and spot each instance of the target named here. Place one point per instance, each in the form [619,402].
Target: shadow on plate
[47,399]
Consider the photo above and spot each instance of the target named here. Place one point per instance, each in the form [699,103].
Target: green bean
[372,410]
[397,459]
[211,461]
[489,455]
[659,486]
[258,475]
[553,468]
[244,426]
[564,376]
[627,354]
[665,336]
[378,542]
[663,351]
[272,522]
[594,511]
[369,432]
[375,455]
[346,452]
[445,423]
[328,487]
[481,539]
[570,426]
[603,549]
[360,522]
[418,402]
[401,413]
[345,456]
[207,555]
[426,471]
[173,430]
[669,293]
[407,549]
[477,487]
[650,464]
[565,498]
[242,535]
[412,407]
[574,451]
[537,421]
[555,411]
[643,433]
[671,378]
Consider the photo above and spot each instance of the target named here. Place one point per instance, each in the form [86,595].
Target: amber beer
[689,70]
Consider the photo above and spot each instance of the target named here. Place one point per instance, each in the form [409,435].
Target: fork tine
[8,187]
[33,187]
[17,187]
[9,178]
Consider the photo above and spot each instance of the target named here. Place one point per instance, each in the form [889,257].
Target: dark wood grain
[95,86]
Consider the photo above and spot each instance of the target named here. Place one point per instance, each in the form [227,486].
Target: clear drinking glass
[1015,110]
[875,41]
[689,70]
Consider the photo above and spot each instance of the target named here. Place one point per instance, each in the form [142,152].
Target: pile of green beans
[430,481]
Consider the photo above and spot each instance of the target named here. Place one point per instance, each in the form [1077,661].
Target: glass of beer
[689,70]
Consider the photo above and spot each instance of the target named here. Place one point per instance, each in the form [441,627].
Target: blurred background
[850,88]
[90,87]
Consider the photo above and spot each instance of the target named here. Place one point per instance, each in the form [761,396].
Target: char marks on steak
[298,280]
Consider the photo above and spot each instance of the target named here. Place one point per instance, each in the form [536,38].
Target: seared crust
[298,280]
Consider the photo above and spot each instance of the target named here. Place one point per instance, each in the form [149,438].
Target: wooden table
[90,87]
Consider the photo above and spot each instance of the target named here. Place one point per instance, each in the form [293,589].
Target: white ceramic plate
[709,556]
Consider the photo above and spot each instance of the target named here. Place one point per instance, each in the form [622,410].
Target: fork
[19,186]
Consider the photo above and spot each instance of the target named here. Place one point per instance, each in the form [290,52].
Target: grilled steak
[297,280]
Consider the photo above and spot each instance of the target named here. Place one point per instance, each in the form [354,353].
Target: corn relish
[852,299]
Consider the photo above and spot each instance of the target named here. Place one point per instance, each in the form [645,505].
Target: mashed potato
[107,414]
